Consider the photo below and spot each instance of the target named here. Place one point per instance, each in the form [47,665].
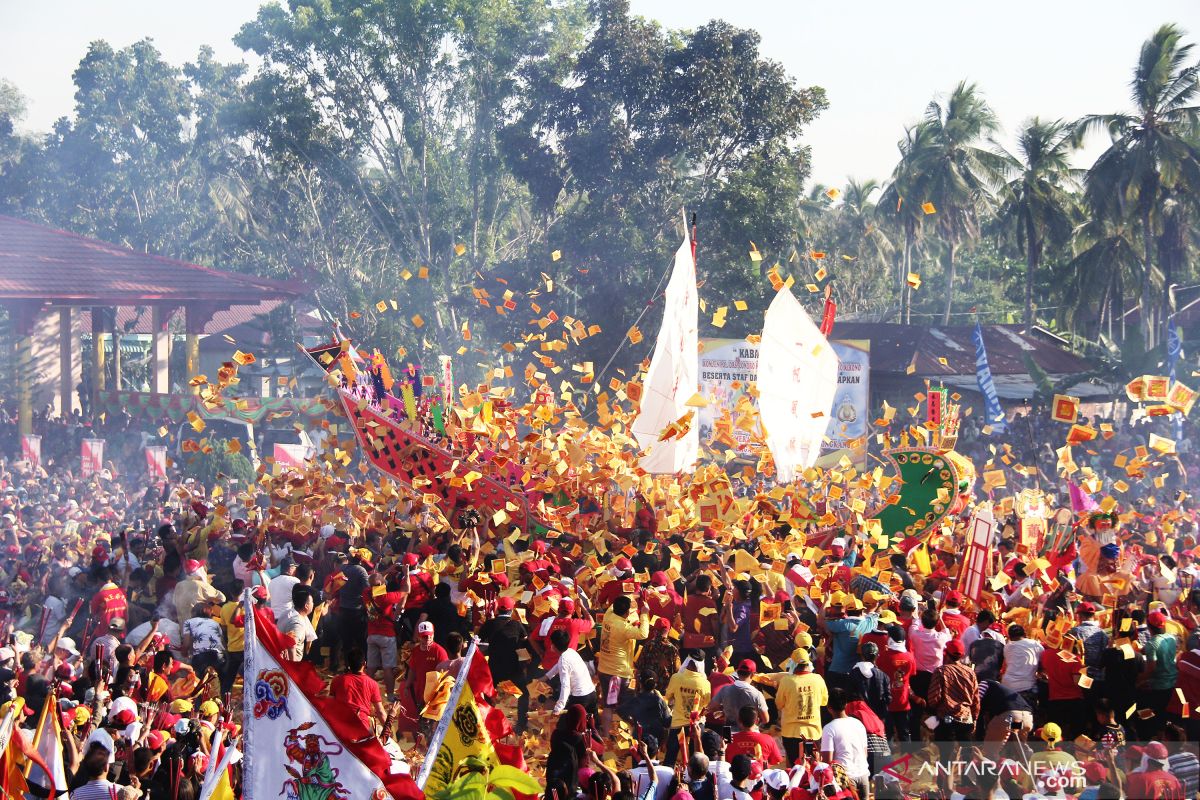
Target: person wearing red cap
[954,696]
[505,637]
[1152,780]
[622,583]
[952,614]
[577,622]
[662,600]
[730,699]
[1159,674]
[659,656]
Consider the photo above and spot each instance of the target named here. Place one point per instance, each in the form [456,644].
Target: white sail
[797,381]
[673,376]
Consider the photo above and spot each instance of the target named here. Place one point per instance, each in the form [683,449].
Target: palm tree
[899,203]
[861,238]
[1153,157]
[956,170]
[1036,203]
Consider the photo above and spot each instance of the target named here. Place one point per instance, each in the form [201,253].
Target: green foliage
[474,138]
[205,467]
[499,783]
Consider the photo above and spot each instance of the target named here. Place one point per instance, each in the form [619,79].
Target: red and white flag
[156,461]
[291,455]
[31,449]
[91,454]
[979,542]
[51,774]
[297,745]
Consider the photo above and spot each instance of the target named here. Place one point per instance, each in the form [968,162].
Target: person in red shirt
[359,692]
[622,583]
[701,622]
[108,603]
[952,616]
[566,620]
[1065,700]
[1155,783]
[423,659]
[383,603]
[750,741]
[662,599]
[899,665]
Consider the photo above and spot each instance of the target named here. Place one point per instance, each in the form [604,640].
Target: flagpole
[250,637]
[47,704]
[439,733]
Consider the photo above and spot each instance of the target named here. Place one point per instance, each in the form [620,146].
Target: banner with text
[31,449]
[91,454]
[156,461]
[727,366]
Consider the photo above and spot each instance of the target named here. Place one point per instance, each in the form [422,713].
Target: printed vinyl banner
[726,362]
[31,449]
[91,453]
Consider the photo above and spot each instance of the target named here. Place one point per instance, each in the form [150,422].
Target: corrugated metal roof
[895,347]
[42,263]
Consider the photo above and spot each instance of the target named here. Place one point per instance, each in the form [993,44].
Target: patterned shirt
[661,657]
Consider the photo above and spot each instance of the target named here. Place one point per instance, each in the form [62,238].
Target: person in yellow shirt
[799,698]
[618,638]
[688,692]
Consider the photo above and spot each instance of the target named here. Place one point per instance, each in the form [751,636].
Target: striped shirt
[97,790]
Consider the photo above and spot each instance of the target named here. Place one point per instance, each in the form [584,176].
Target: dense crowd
[636,665]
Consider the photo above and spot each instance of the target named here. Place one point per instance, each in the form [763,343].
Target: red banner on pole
[156,461]
[91,453]
[31,449]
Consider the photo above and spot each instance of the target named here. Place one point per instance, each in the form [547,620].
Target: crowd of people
[637,662]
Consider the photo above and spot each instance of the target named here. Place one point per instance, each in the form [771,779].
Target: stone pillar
[98,375]
[160,349]
[68,361]
[195,317]
[24,315]
[118,356]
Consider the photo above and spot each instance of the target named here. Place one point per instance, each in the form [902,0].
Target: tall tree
[401,103]
[1154,158]
[1036,202]
[900,204]
[956,170]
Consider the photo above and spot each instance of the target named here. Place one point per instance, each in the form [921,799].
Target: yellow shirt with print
[799,699]
[687,691]
[617,639]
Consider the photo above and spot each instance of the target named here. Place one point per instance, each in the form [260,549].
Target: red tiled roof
[41,263]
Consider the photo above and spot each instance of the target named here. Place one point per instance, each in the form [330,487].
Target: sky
[880,63]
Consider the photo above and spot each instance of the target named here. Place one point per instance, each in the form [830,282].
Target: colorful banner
[447,376]
[727,366]
[291,455]
[156,461]
[298,744]
[91,454]
[31,449]
[176,407]
[993,413]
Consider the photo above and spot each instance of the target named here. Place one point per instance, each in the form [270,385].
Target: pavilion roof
[40,263]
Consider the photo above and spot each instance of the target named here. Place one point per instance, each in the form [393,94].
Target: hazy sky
[880,62]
